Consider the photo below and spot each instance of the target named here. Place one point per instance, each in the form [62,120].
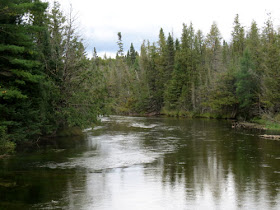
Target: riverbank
[248,125]
[272,137]
[188,114]
[8,148]
[268,124]
[259,124]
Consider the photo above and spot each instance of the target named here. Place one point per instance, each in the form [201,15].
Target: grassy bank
[181,113]
[268,124]
[258,123]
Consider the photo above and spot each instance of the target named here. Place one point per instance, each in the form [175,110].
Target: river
[131,163]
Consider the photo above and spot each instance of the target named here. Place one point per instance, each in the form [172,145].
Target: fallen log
[247,125]
[274,137]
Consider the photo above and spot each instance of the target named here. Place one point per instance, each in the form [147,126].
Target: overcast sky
[101,20]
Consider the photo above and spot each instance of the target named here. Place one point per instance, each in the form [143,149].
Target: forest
[49,84]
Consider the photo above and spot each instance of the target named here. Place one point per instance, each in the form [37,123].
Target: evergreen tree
[131,55]
[222,98]
[213,53]
[179,92]
[170,47]
[238,40]
[271,63]
[177,45]
[246,86]
[21,74]
[226,54]
[255,48]
[120,44]
[73,99]
[201,82]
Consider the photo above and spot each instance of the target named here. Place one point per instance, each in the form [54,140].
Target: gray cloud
[142,20]
[111,46]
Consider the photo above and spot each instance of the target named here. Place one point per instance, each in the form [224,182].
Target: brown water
[147,163]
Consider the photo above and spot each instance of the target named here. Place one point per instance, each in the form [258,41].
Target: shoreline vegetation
[258,124]
[49,84]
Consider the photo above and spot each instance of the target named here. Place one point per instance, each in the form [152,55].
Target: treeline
[47,83]
[200,75]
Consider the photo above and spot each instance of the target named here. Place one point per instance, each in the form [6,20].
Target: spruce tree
[21,73]
[238,40]
[246,86]
[271,63]
[120,44]
[170,47]
[213,53]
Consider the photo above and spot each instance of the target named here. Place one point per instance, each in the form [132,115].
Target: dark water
[147,163]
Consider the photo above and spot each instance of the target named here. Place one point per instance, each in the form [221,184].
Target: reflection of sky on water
[139,163]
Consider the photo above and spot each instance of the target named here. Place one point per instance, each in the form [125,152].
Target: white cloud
[101,34]
[143,19]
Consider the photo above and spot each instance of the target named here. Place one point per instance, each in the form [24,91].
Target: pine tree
[213,53]
[254,46]
[271,63]
[131,55]
[170,58]
[201,89]
[226,54]
[120,44]
[179,92]
[21,74]
[73,98]
[246,86]
[238,40]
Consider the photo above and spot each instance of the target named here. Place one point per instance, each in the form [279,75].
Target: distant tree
[246,86]
[94,54]
[170,47]
[222,98]
[271,63]
[131,55]
[238,39]
[179,93]
[120,44]
[213,56]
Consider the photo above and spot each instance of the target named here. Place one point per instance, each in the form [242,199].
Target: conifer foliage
[46,81]
[21,73]
[203,75]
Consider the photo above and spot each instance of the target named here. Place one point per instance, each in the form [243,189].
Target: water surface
[147,163]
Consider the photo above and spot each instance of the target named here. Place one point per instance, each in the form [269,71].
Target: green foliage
[222,98]
[201,75]
[238,39]
[271,62]
[21,76]
[246,85]
[269,125]
[6,146]
[47,83]
[73,131]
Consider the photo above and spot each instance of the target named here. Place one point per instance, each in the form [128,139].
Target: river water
[147,163]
